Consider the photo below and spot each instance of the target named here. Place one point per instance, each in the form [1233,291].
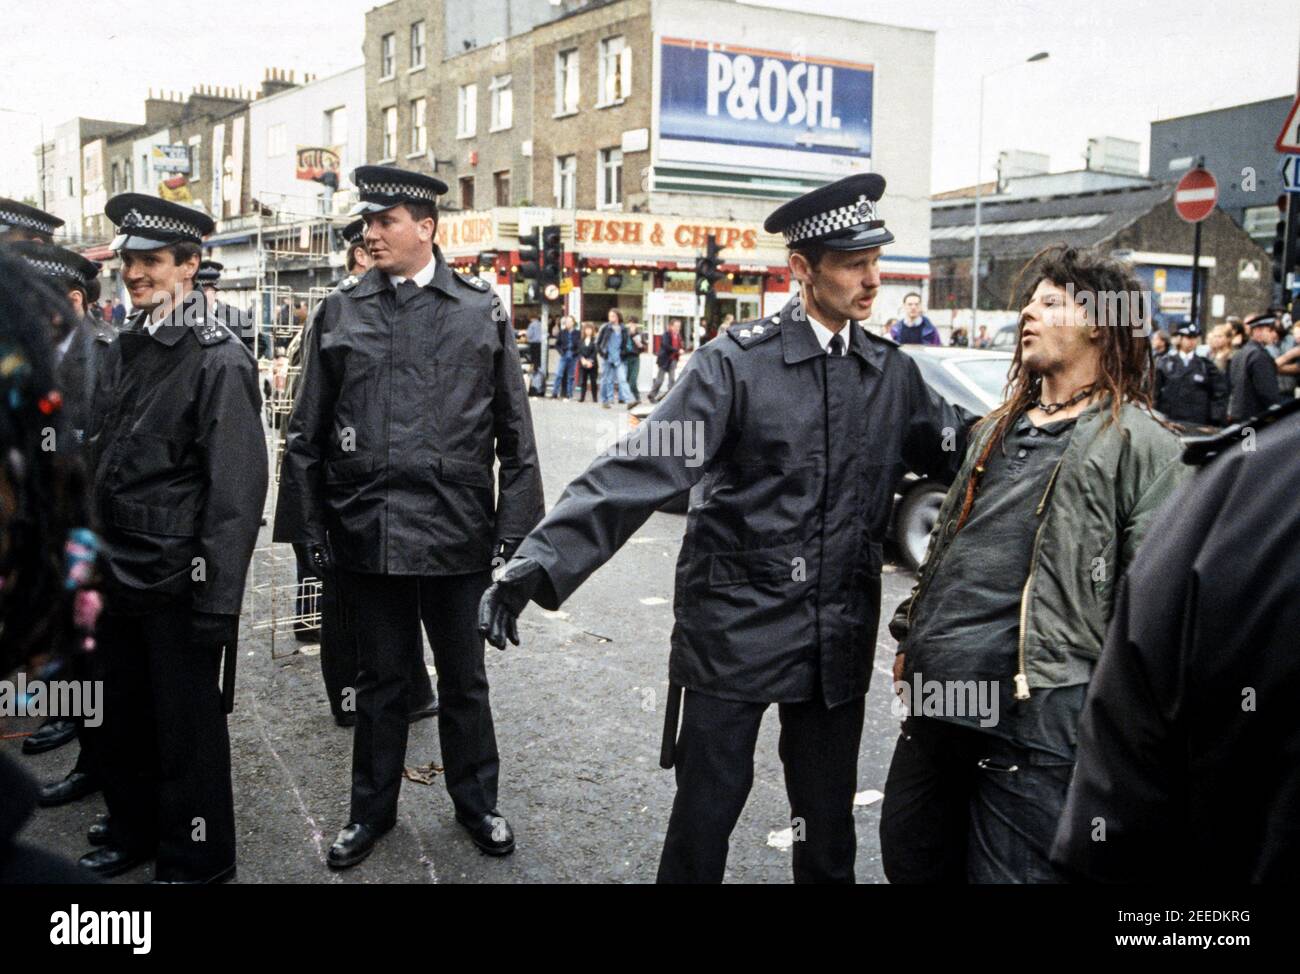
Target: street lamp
[979,169]
[41,121]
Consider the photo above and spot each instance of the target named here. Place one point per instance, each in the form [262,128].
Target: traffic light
[530,267]
[707,274]
[552,256]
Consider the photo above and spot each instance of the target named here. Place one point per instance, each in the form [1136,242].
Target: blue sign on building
[742,107]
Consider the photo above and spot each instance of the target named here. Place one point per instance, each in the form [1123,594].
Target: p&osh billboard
[737,106]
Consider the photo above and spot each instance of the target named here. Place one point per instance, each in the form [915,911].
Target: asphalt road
[579,714]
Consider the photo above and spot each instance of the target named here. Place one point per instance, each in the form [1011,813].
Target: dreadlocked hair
[44,491]
[1116,303]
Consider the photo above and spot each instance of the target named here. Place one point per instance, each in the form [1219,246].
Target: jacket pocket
[762,565]
[175,522]
[348,469]
[463,472]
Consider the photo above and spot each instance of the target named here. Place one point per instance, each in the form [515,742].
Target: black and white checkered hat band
[135,220]
[54,269]
[11,219]
[399,189]
[823,224]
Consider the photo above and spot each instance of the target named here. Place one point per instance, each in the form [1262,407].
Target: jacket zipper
[1021,679]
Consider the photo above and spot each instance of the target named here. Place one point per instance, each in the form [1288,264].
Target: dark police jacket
[402,403]
[179,460]
[1253,374]
[1188,740]
[1193,393]
[76,374]
[778,579]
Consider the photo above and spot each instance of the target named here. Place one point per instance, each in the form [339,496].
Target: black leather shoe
[346,719]
[225,876]
[491,833]
[428,709]
[75,786]
[100,833]
[354,843]
[52,734]
[109,861]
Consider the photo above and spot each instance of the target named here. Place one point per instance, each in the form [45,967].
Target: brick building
[642,126]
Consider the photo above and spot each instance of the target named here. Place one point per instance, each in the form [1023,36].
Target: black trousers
[385,613]
[964,806]
[338,645]
[166,753]
[715,768]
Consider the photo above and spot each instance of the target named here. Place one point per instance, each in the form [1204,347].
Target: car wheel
[916,516]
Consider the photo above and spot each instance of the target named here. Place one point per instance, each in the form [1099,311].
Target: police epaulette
[211,332]
[349,282]
[477,283]
[1200,450]
[753,333]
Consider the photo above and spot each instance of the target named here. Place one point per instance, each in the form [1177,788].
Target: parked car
[1004,339]
[971,378]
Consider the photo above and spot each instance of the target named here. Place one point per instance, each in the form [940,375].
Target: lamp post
[40,121]
[979,169]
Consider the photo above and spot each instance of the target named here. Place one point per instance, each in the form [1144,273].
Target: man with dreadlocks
[1057,490]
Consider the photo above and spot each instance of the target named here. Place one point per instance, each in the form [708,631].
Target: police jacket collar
[799,343]
[376,280]
[182,318]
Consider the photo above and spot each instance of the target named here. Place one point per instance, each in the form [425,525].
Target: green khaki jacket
[1097,507]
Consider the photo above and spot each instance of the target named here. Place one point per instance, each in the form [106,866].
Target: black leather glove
[498,610]
[213,630]
[321,559]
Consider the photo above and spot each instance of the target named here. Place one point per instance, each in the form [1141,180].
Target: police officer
[180,475]
[1190,388]
[18,221]
[411,385]
[805,423]
[208,278]
[1252,372]
[78,345]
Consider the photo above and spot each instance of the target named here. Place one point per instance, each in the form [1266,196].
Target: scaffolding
[288,244]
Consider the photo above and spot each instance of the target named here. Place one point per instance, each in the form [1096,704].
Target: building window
[390,133]
[336,128]
[144,169]
[609,179]
[566,82]
[503,103]
[71,191]
[501,183]
[387,56]
[196,158]
[417,45]
[566,172]
[615,71]
[419,134]
[117,175]
[467,192]
[466,111]
[276,141]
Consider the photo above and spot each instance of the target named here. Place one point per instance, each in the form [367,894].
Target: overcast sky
[1114,65]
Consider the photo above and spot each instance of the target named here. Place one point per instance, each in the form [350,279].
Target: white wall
[902,106]
[302,112]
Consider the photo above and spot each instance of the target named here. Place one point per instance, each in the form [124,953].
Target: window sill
[610,207]
[418,67]
[611,104]
[417,155]
[385,162]
[500,128]
[566,114]
[388,77]
[460,136]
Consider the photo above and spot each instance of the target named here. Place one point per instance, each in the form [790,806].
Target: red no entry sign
[1195,195]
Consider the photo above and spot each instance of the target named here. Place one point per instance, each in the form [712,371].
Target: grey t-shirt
[967,627]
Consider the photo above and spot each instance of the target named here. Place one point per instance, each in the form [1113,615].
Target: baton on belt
[672,713]
[230,655]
